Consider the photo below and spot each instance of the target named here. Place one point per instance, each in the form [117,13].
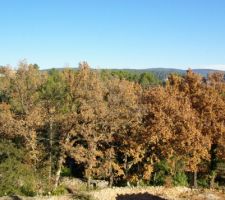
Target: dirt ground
[147,193]
[158,193]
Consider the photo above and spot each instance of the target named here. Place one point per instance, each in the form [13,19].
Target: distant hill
[161,73]
[205,72]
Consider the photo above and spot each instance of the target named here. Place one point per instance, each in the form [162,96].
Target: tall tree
[124,120]
[54,96]
[88,94]
[208,105]
[172,126]
[22,105]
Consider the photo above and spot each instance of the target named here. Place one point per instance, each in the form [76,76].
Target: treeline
[97,125]
[145,79]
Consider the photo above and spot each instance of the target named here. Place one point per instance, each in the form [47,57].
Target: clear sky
[113,33]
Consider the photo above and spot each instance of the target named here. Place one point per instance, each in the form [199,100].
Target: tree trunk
[89,182]
[58,172]
[88,176]
[195,183]
[61,159]
[212,179]
[213,164]
[111,178]
[50,149]
[90,163]
[126,169]
[213,155]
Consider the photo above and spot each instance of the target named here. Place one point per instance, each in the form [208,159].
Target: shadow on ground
[140,196]
[15,198]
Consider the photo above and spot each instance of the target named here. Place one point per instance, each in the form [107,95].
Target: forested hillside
[163,73]
[159,73]
[123,127]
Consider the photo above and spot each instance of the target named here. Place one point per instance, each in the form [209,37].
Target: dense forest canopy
[117,126]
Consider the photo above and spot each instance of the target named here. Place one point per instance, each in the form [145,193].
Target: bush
[203,182]
[27,190]
[60,190]
[16,176]
[66,172]
[17,179]
[159,178]
[180,179]
[169,173]
[161,172]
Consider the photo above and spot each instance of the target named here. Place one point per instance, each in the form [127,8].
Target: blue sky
[113,33]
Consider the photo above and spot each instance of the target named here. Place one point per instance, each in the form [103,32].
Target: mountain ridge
[161,73]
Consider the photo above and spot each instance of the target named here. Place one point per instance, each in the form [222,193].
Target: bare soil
[158,193]
[144,193]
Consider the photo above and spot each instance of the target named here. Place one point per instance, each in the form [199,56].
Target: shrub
[180,179]
[28,190]
[17,179]
[161,172]
[203,182]
[60,190]
[170,173]
[16,176]
[66,171]
[159,178]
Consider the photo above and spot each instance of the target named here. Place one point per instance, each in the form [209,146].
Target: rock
[73,184]
[100,184]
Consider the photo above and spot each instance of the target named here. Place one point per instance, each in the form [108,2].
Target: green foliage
[159,178]
[16,176]
[161,172]
[203,182]
[66,171]
[166,175]
[163,166]
[60,190]
[54,89]
[148,79]
[28,190]
[145,79]
[180,179]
